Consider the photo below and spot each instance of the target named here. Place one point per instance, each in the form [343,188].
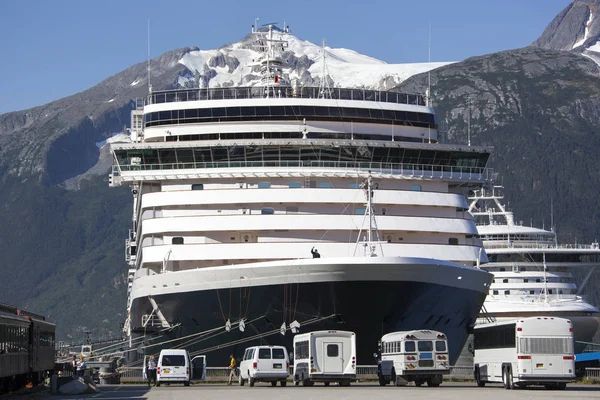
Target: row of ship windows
[550,291]
[250,239]
[537,280]
[288,112]
[294,135]
[295,185]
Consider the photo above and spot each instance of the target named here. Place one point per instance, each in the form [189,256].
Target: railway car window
[333,350]
[278,354]
[440,345]
[425,345]
[264,354]
[409,346]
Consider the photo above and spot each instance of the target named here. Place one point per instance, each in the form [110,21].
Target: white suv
[265,364]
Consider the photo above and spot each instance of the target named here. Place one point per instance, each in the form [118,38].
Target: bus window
[425,345]
[440,345]
[409,346]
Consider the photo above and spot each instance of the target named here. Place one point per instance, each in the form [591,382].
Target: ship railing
[259,92]
[423,171]
[538,245]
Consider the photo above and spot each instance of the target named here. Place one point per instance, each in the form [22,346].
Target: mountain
[63,229]
[576,28]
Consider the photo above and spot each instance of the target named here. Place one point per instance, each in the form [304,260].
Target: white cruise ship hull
[370,296]
[585,317]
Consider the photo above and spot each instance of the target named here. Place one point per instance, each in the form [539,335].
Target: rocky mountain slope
[576,28]
[63,229]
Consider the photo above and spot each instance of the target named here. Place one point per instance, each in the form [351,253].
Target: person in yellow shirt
[232,368]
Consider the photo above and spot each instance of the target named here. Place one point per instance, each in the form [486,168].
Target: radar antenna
[148,67]
[324,89]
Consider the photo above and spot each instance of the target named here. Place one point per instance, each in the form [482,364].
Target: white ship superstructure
[533,274]
[233,188]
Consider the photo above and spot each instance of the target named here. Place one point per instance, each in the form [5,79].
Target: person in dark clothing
[315,253]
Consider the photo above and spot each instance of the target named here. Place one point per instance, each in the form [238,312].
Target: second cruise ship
[262,211]
[533,274]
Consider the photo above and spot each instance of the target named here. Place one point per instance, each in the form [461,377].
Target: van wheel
[186,383]
[283,383]
[241,380]
[418,383]
[561,386]
[251,381]
[345,383]
[157,383]
[326,383]
[274,383]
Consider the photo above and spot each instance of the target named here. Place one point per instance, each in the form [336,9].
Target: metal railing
[258,92]
[417,170]
[592,374]
[221,374]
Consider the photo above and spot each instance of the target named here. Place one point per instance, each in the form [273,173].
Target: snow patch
[137,81]
[585,36]
[346,67]
[595,47]
[111,100]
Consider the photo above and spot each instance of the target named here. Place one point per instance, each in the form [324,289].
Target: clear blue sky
[52,49]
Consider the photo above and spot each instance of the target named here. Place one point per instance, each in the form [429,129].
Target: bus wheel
[561,386]
[382,381]
[296,383]
[326,383]
[283,383]
[511,383]
[480,383]
[274,383]
[394,380]
[505,380]
[431,382]
[418,383]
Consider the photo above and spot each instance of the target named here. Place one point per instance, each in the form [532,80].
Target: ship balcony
[130,250]
[259,93]
[253,169]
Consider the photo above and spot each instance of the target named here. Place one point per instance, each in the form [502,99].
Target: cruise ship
[533,274]
[262,211]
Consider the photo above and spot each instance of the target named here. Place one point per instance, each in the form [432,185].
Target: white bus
[527,351]
[325,356]
[419,356]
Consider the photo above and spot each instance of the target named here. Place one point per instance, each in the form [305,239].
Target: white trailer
[325,356]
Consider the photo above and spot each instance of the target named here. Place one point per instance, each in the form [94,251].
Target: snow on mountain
[231,65]
[576,28]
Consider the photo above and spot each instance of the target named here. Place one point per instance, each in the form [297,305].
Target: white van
[265,364]
[173,366]
[325,356]
[198,365]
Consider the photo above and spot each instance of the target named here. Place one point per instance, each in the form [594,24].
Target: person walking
[151,371]
[232,368]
